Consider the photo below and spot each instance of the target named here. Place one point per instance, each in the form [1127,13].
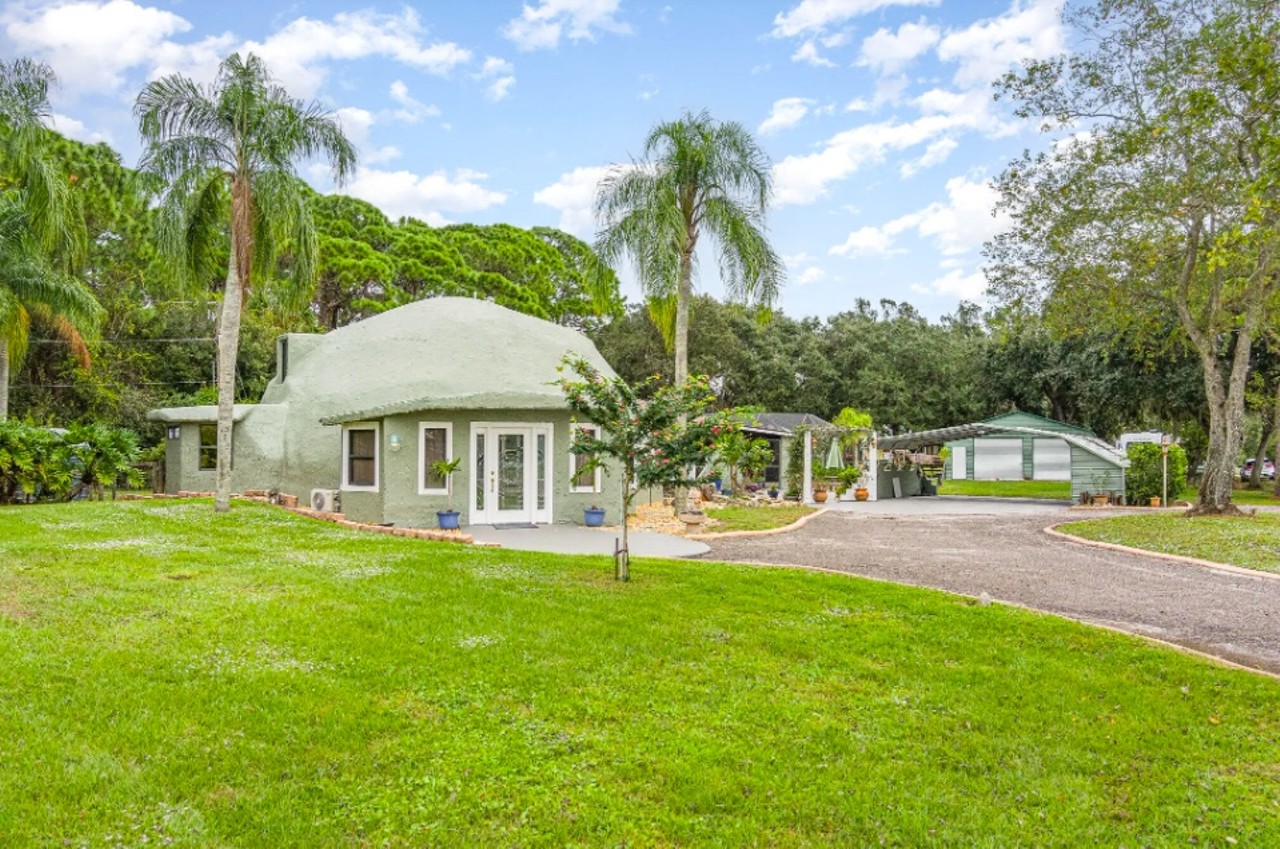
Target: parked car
[1268,469]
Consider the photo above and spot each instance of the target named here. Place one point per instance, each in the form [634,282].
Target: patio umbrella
[835,457]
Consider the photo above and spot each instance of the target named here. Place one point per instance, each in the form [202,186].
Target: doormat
[515,526]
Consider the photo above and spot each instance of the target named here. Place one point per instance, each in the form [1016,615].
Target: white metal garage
[997,459]
[1052,460]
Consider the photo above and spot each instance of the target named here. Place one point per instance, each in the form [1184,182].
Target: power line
[128,341]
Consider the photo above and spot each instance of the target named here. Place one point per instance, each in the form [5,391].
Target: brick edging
[1053,531]
[338,519]
[796,525]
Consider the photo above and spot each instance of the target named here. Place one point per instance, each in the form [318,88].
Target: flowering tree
[668,439]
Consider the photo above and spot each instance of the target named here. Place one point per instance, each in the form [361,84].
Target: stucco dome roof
[439,353]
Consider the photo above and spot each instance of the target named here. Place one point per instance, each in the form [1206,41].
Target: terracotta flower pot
[820,496]
[861,493]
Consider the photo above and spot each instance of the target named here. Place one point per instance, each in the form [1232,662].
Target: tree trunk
[1275,428]
[621,560]
[1225,397]
[684,294]
[229,339]
[4,379]
[1259,459]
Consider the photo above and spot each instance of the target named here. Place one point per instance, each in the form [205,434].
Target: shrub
[42,464]
[34,464]
[1143,480]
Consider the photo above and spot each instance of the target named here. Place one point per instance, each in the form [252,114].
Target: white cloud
[297,53]
[355,123]
[816,15]
[808,52]
[426,197]
[812,274]
[888,52]
[971,286]
[803,179]
[986,49]
[786,112]
[934,154]
[501,75]
[865,241]
[541,27]
[574,195]
[958,227]
[412,110]
[91,44]
[73,129]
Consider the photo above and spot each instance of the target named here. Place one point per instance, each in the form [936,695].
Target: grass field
[175,677]
[738,518]
[1252,542]
[1008,489]
[1242,496]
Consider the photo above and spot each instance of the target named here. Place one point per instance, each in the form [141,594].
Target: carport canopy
[940,436]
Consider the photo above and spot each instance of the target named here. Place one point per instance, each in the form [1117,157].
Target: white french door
[511,466]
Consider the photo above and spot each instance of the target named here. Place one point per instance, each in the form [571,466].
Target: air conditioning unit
[326,501]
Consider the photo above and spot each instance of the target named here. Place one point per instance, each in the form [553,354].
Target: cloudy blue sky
[877,113]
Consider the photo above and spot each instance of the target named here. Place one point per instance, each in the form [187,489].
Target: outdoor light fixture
[394,439]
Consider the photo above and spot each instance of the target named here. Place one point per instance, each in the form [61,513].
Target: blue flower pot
[594,517]
[448,520]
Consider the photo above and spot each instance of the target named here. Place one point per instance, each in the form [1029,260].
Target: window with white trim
[360,457]
[435,443]
[583,478]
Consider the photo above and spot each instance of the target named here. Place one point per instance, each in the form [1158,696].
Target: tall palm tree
[225,153]
[41,230]
[696,176]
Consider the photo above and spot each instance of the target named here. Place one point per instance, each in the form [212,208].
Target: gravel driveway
[1232,616]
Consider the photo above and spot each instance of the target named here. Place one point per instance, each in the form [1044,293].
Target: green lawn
[175,677]
[1242,496]
[1008,489]
[738,518]
[1252,541]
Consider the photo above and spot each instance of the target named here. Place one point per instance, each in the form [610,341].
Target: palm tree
[41,230]
[697,176]
[225,153]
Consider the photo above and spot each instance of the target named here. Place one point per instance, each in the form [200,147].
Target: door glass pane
[542,471]
[510,471]
[479,476]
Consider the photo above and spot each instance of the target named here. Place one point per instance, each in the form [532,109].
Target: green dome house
[354,419]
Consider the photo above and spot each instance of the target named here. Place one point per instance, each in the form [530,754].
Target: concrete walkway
[575,539]
[1231,615]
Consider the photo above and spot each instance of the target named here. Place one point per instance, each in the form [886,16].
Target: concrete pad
[926,506]
[575,539]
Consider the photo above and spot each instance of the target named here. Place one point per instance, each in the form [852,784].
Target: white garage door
[997,459]
[1052,459]
[959,463]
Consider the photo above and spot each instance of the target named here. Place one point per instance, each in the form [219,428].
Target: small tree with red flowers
[663,436]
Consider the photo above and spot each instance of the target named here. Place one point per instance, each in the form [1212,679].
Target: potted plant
[848,477]
[448,519]
[593,516]
[822,478]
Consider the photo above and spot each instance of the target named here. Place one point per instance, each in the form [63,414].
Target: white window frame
[347,486]
[573,477]
[423,427]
